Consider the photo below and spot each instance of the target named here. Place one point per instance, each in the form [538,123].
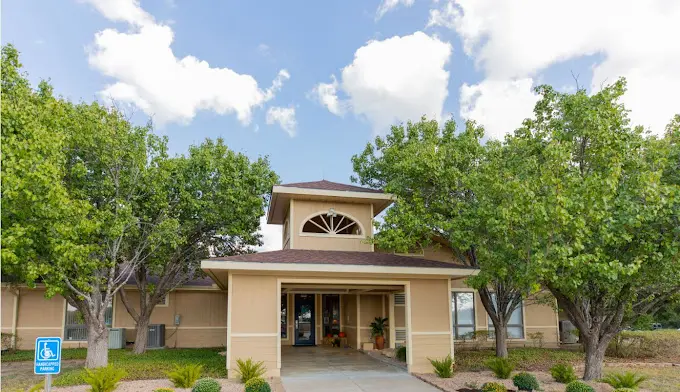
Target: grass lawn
[661,379]
[151,365]
[523,358]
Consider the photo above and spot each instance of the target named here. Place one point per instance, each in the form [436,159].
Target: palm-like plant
[378,331]
[624,380]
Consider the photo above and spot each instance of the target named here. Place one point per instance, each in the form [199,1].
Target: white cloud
[499,105]
[327,95]
[394,80]
[271,236]
[510,40]
[171,89]
[388,5]
[285,117]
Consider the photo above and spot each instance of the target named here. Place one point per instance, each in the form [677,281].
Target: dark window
[284,316]
[332,223]
[463,307]
[74,325]
[515,327]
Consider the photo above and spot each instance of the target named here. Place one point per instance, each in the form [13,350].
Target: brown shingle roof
[304,256]
[331,186]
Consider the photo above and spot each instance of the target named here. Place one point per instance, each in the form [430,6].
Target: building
[327,279]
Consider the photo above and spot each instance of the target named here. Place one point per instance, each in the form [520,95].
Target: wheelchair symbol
[46,352]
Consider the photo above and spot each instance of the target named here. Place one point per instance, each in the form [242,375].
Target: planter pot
[379,342]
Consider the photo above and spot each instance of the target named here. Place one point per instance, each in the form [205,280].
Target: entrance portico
[255,289]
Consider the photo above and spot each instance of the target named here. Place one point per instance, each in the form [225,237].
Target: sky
[309,83]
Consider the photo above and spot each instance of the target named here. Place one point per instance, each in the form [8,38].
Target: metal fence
[74,327]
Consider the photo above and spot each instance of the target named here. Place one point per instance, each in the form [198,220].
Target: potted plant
[378,332]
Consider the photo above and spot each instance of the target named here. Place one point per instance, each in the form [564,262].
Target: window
[74,325]
[284,316]
[463,307]
[332,223]
[515,327]
[165,301]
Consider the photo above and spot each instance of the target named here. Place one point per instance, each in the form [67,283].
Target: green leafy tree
[72,184]
[451,188]
[607,215]
[207,203]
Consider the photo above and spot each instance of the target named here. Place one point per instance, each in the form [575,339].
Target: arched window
[332,223]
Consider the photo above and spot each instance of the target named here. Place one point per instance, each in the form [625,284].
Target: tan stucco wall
[255,306]
[304,209]
[36,315]
[349,321]
[371,307]
[203,318]
[430,323]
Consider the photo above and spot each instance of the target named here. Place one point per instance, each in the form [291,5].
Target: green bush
[400,354]
[624,390]
[525,382]
[163,390]
[578,386]
[257,384]
[563,372]
[207,385]
[645,344]
[185,376]
[501,367]
[624,380]
[493,387]
[248,369]
[443,368]
[104,379]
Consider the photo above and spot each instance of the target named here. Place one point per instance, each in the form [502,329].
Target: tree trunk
[97,345]
[142,335]
[501,336]
[595,350]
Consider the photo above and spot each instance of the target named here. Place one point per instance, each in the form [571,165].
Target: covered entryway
[327,368]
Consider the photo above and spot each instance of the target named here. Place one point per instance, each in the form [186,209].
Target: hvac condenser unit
[116,338]
[156,336]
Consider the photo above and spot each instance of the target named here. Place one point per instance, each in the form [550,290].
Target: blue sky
[310,83]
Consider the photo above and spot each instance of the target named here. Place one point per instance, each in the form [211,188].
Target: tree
[451,188]
[70,185]
[208,202]
[607,212]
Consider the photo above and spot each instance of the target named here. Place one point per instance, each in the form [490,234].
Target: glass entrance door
[304,319]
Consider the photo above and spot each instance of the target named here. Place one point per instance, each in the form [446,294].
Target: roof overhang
[281,196]
[217,269]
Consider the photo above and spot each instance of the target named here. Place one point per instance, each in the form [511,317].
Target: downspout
[15,318]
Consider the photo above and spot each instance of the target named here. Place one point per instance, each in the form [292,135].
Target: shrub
[401,353]
[493,387]
[537,339]
[163,390]
[257,384]
[525,382]
[501,367]
[248,369]
[185,376]
[563,372]
[578,386]
[645,344]
[104,379]
[624,380]
[38,387]
[206,385]
[443,368]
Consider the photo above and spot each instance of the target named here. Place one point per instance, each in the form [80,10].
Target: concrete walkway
[322,368]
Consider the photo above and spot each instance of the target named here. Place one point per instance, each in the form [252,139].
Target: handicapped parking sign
[47,356]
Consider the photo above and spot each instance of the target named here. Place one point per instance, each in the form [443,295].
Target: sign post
[47,359]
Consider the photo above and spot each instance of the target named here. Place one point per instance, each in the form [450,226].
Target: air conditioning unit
[156,337]
[566,332]
[116,338]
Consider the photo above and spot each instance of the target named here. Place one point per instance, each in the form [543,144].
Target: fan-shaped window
[332,223]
